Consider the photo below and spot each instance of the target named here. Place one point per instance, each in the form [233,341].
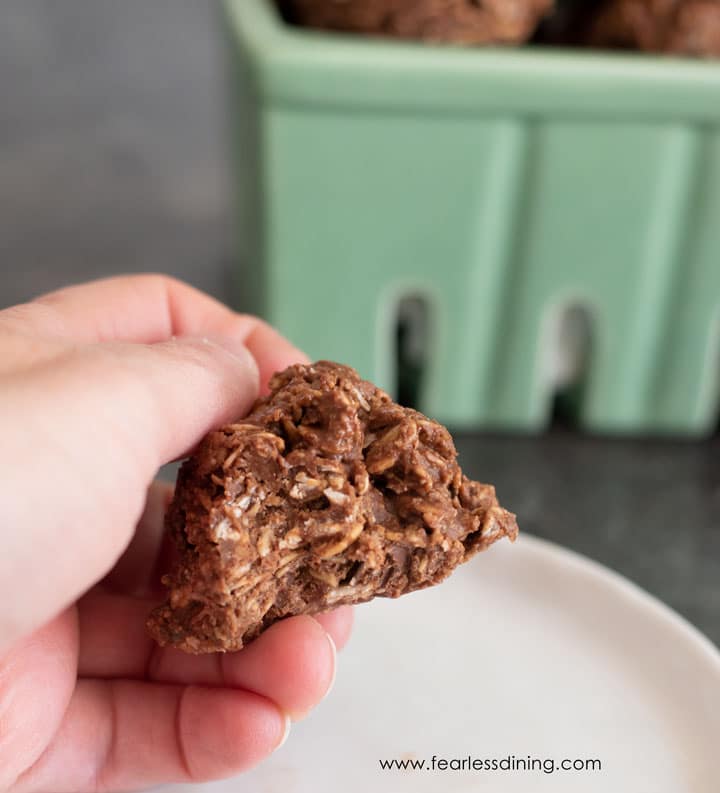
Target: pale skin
[100,385]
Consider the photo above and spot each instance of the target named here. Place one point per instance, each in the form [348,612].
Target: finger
[338,623]
[292,663]
[110,417]
[272,352]
[137,572]
[159,398]
[141,308]
[37,679]
[147,309]
[125,735]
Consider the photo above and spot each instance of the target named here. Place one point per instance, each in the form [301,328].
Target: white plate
[532,651]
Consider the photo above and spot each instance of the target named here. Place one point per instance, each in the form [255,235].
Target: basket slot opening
[568,363]
[412,337]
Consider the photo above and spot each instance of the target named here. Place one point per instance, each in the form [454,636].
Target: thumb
[105,417]
[185,388]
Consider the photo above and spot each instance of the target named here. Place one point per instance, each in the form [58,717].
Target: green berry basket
[507,196]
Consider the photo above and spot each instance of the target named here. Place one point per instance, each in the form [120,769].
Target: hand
[100,385]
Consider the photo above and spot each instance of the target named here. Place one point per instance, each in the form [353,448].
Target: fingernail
[288,725]
[232,345]
[236,347]
[334,664]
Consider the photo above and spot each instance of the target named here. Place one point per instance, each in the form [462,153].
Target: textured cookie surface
[687,27]
[328,493]
[460,21]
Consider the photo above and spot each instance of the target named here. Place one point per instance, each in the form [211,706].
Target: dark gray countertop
[647,508]
[113,158]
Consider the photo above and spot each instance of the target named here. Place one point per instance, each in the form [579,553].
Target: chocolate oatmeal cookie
[687,27]
[459,21]
[328,493]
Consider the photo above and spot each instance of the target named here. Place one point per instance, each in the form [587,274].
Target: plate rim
[627,588]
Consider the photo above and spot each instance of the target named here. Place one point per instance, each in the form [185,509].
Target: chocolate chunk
[459,21]
[328,493]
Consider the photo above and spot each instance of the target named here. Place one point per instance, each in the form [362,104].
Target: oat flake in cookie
[328,493]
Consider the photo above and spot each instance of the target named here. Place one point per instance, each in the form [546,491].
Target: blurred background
[113,148]
[115,157]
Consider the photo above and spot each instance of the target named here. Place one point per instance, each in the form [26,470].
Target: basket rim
[296,66]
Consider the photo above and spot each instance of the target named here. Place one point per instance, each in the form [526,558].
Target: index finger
[147,309]
[138,308]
